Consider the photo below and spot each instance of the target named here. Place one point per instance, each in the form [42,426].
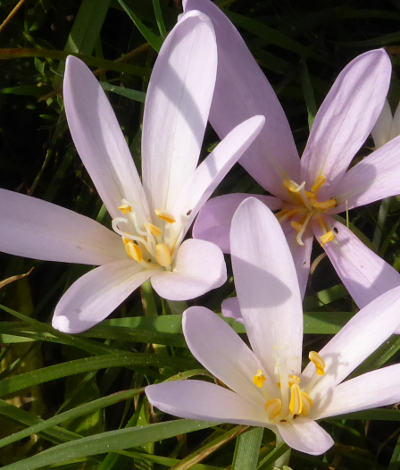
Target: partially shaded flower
[265,385]
[149,221]
[310,191]
[387,127]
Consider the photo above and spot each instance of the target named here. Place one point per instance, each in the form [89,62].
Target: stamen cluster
[286,399]
[303,206]
[146,243]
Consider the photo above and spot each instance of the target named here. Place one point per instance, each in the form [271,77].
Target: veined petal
[99,140]
[177,105]
[195,399]
[214,220]
[267,287]
[381,133]
[222,352]
[199,267]
[364,274]
[213,169]
[377,176]
[38,229]
[346,118]
[306,436]
[241,91]
[377,388]
[359,338]
[96,294]
[230,308]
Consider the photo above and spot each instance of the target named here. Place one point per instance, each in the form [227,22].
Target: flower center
[145,243]
[286,399]
[303,206]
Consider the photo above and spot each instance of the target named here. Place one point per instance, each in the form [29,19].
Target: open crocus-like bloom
[308,192]
[149,221]
[264,386]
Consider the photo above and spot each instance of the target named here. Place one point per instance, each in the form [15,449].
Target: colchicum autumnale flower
[307,192]
[149,221]
[264,386]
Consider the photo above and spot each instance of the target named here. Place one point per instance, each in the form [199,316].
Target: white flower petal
[345,118]
[230,308]
[221,351]
[38,229]
[267,286]
[195,399]
[199,267]
[96,294]
[381,133]
[306,436]
[377,388]
[99,140]
[359,338]
[214,220]
[364,274]
[241,91]
[176,110]
[377,176]
[212,170]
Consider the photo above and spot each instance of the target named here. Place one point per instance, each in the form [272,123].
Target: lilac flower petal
[267,287]
[364,274]
[38,229]
[301,256]
[381,133]
[214,220]
[241,91]
[99,140]
[195,399]
[395,131]
[377,176]
[346,118]
[306,436]
[213,169]
[359,338]
[96,294]
[177,106]
[222,352]
[377,388]
[230,308]
[199,267]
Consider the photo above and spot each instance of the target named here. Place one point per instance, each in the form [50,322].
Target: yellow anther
[327,237]
[318,183]
[295,403]
[165,216]
[293,379]
[125,208]
[290,186]
[259,378]
[132,249]
[154,229]
[273,408]
[163,255]
[324,205]
[317,360]
[307,403]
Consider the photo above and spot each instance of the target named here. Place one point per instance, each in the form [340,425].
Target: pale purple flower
[149,221]
[265,384]
[387,127]
[310,191]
